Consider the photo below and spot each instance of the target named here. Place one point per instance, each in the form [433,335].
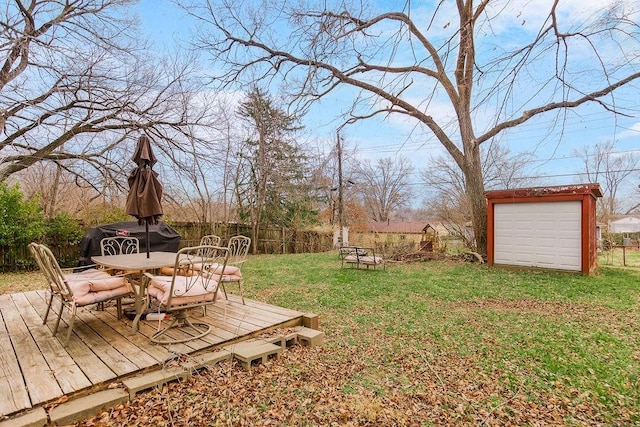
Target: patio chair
[238,251]
[70,273]
[210,240]
[197,273]
[119,245]
[357,256]
[77,289]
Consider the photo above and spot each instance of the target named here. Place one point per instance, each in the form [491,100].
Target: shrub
[104,213]
[21,221]
[64,229]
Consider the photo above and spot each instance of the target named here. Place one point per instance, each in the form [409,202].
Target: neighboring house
[389,234]
[627,224]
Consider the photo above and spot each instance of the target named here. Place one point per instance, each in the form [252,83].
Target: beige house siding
[386,239]
[386,235]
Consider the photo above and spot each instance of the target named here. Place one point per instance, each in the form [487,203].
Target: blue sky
[554,153]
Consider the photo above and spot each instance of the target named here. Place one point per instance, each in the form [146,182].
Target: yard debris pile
[419,256]
[424,256]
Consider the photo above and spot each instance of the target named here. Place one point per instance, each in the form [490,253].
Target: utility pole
[340,205]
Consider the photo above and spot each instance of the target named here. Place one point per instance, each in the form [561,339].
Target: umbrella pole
[146,232]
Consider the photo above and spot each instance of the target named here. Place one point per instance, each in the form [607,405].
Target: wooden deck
[35,368]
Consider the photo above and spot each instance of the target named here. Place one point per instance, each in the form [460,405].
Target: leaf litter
[345,384]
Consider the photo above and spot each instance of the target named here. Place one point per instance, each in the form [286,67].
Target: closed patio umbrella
[144,200]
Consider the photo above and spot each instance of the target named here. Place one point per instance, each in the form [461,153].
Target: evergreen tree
[272,186]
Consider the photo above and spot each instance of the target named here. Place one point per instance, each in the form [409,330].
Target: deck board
[38,377]
[13,391]
[64,369]
[84,357]
[35,368]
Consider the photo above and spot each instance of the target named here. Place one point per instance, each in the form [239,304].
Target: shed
[545,227]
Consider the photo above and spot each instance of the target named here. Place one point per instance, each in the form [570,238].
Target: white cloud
[632,131]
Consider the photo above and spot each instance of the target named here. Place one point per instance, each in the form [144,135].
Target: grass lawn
[422,344]
[618,256]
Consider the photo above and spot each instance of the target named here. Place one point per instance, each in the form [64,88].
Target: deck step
[34,418]
[88,406]
[308,336]
[154,379]
[254,350]
[285,341]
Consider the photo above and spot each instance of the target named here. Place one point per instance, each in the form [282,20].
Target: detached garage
[544,227]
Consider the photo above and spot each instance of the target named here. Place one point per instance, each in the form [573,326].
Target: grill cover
[161,238]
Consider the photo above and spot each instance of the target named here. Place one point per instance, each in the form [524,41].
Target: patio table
[137,262]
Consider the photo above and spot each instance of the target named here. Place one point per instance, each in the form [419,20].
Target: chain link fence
[620,256]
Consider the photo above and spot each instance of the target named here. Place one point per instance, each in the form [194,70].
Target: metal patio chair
[210,240]
[119,245]
[77,289]
[238,251]
[197,273]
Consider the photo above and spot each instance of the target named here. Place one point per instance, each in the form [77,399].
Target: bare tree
[634,208]
[326,189]
[193,192]
[48,183]
[78,85]
[602,164]
[409,61]
[198,178]
[450,203]
[383,186]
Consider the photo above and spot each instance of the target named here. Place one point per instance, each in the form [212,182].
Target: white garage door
[546,235]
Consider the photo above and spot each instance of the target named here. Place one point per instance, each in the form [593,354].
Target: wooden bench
[358,255]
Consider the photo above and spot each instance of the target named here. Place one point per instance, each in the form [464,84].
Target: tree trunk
[475,192]
[54,192]
[474,187]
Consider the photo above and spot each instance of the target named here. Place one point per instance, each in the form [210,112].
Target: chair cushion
[184,270]
[370,260]
[92,273]
[166,271]
[90,291]
[186,290]
[230,273]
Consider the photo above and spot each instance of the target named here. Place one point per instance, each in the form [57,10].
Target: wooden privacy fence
[271,241]
[18,258]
